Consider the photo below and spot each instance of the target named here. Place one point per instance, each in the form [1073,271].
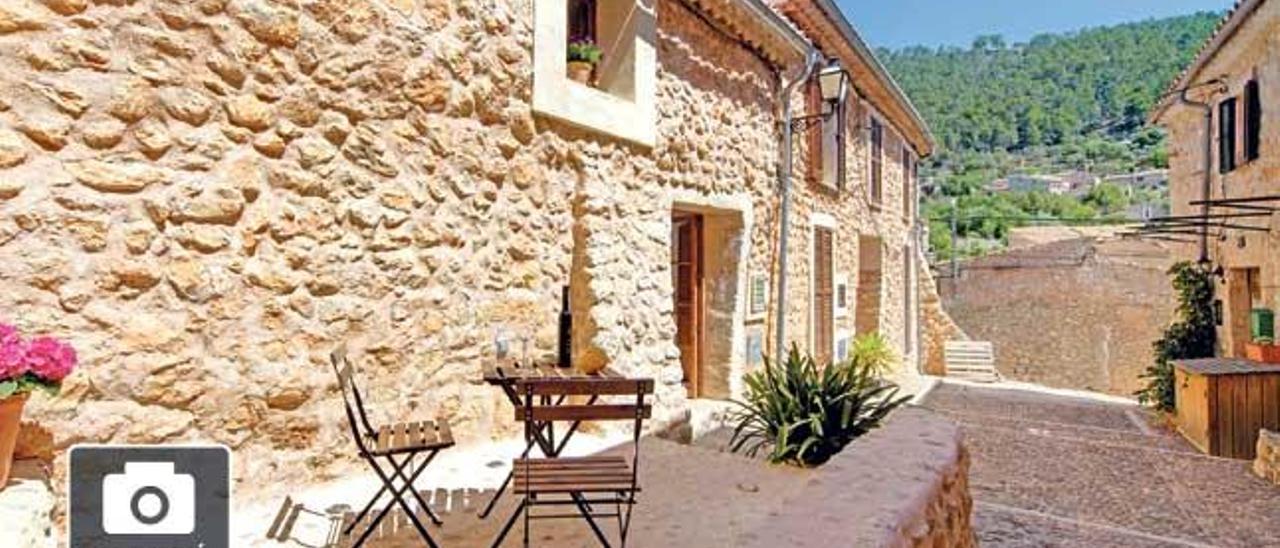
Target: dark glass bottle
[566,330]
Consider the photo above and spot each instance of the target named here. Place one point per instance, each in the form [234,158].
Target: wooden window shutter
[877,160]
[813,105]
[1252,121]
[823,295]
[1227,135]
[908,180]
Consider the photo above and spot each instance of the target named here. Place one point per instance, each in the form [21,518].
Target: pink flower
[13,353]
[50,359]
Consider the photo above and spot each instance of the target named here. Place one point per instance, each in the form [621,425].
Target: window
[1252,121]
[877,161]
[618,96]
[908,181]
[1227,136]
[582,20]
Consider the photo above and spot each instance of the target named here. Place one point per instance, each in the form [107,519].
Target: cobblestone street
[1055,470]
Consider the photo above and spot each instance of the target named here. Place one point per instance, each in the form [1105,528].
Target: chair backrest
[534,409]
[356,415]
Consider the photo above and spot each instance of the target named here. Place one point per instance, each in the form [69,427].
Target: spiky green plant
[803,414]
[872,350]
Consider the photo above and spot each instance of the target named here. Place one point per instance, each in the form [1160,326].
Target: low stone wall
[1267,463]
[905,484]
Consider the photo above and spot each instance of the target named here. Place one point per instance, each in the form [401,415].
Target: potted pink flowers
[40,363]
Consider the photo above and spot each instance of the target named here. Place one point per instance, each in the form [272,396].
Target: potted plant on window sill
[1262,350]
[583,57]
[26,366]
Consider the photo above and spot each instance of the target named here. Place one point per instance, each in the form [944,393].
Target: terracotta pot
[580,72]
[10,419]
[1265,353]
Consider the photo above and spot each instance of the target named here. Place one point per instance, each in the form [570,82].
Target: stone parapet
[905,484]
[1267,463]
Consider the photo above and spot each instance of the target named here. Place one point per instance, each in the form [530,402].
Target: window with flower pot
[595,65]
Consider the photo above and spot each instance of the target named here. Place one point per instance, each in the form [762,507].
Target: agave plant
[803,414]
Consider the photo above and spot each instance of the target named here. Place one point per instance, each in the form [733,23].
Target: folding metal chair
[405,440]
[596,486]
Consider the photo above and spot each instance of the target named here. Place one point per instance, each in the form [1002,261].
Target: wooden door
[823,296]
[686,279]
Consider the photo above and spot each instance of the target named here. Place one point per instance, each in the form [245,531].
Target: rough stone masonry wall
[206,196]
[1267,462]
[1078,314]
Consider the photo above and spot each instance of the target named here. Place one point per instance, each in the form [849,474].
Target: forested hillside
[1074,101]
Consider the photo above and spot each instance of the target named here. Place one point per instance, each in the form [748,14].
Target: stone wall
[205,197]
[936,325]
[1078,314]
[904,484]
[1267,463]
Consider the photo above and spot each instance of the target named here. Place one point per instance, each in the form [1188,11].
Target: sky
[899,23]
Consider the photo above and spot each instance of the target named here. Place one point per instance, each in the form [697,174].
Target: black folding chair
[404,440]
[596,486]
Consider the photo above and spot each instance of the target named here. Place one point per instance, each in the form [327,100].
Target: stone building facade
[207,196]
[1235,81]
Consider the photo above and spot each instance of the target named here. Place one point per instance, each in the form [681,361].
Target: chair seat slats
[573,475]
[411,436]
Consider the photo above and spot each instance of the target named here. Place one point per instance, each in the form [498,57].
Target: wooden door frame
[699,295]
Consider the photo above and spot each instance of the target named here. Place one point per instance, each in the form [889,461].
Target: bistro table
[507,377]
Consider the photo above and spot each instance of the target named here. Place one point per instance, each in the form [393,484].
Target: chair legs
[584,508]
[397,497]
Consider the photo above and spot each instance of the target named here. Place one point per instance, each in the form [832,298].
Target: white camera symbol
[148,499]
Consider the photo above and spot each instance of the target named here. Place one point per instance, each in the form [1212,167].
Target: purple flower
[50,359]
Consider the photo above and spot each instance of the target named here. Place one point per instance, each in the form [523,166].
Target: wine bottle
[566,330]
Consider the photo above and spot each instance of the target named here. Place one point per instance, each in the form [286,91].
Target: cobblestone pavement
[1054,470]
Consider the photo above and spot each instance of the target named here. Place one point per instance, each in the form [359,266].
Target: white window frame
[555,95]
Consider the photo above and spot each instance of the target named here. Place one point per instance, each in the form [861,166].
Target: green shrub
[803,414]
[1191,336]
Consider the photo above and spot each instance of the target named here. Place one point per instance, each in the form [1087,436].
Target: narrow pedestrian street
[1059,470]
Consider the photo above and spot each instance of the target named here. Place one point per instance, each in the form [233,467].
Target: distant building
[1152,179]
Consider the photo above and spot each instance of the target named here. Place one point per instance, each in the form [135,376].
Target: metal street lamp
[833,84]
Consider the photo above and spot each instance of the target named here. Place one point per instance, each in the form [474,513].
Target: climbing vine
[1191,335]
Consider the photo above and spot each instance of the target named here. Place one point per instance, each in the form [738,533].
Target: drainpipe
[785,162]
[1207,183]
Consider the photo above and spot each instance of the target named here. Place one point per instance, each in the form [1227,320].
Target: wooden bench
[971,360]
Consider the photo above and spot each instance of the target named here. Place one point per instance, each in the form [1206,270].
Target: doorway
[687,274]
[1244,293]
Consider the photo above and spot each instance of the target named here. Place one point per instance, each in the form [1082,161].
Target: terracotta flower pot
[1265,353]
[581,71]
[10,419]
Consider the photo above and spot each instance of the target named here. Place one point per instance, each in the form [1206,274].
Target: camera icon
[148,499]
[149,496]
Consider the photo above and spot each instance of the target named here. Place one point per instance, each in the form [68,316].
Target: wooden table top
[1227,366]
[512,373]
